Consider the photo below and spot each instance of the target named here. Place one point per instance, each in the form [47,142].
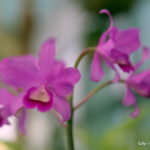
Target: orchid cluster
[45,83]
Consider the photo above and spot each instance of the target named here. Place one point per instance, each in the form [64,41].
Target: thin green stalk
[84,53]
[93,92]
[70,136]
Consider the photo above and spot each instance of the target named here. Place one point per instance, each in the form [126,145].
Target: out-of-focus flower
[140,83]
[114,47]
[45,80]
[10,105]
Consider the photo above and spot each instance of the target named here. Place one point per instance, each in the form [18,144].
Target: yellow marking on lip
[40,94]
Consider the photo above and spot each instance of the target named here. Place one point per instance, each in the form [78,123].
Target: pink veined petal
[61,105]
[47,55]
[104,35]
[96,72]
[126,41]
[145,56]
[19,71]
[129,99]
[136,112]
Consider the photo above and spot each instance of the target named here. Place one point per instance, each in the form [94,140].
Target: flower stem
[84,53]
[69,128]
[93,92]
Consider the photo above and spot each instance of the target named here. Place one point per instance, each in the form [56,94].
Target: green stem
[70,136]
[84,53]
[70,127]
[93,92]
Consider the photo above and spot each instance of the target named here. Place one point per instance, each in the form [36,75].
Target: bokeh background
[101,124]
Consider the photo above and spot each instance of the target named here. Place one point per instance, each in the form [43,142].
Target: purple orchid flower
[45,80]
[114,47]
[140,83]
[11,105]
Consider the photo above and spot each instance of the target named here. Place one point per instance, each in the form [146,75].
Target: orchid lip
[40,94]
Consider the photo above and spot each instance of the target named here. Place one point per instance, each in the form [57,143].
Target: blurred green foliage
[115,6]
[124,135]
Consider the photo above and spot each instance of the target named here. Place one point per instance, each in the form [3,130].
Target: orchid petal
[62,88]
[136,79]
[27,102]
[41,106]
[57,68]
[5,97]
[47,55]
[44,107]
[121,59]
[19,72]
[62,106]
[8,102]
[69,75]
[129,99]
[145,56]
[104,35]
[111,65]
[72,75]
[17,102]
[96,72]
[140,83]
[136,112]
[126,41]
